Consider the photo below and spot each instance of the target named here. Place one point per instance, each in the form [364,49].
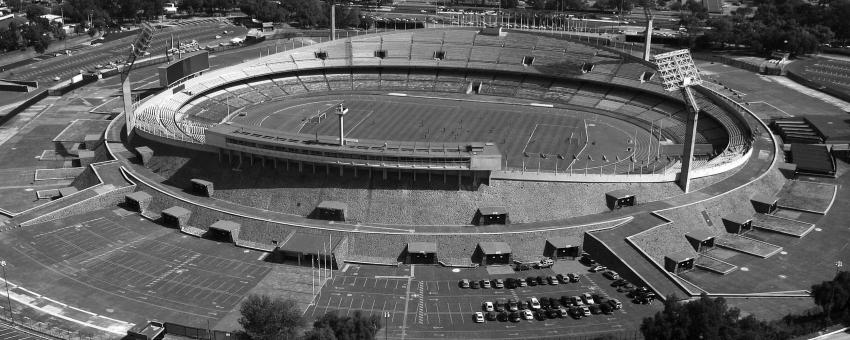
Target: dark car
[510,283]
[576,312]
[475,285]
[606,307]
[574,277]
[544,303]
[490,316]
[502,316]
[627,288]
[541,280]
[619,282]
[522,305]
[463,283]
[514,317]
[520,282]
[532,281]
[540,315]
[552,313]
[565,301]
[554,303]
[513,306]
[594,309]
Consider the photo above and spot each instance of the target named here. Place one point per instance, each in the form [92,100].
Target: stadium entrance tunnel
[562,247]
[493,253]
[421,253]
[309,250]
[223,231]
[679,262]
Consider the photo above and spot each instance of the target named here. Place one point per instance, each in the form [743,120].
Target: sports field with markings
[524,133]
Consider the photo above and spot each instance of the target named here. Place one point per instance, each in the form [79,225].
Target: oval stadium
[379,173]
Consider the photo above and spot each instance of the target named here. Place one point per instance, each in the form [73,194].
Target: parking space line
[461,313]
[439,319]
[350,303]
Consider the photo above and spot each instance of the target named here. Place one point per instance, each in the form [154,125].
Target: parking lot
[426,302]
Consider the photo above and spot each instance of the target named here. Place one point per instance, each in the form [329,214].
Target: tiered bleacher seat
[522,41]
[487,40]
[533,88]
[424,51]
[449,81]
[561,91]
[457,52]
[485,54]
[421,81]
[339,81]
[366,81]
[291,85]
[460,37]
[315,83]
[397,49]
[513,55]
[550,44]
[595,90]
[582,100]
[394,81]
[428,36]
[268,88]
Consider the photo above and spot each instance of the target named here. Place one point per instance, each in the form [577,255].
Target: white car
[527,314]
[488,306]
[479,317]
[534,303]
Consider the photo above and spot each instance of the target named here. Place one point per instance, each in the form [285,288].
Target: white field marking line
[345,268]
[542,105]
[292,107]
[351,130]
[530,136]
[262,256]
[71,226]
[406,303]
[771,105]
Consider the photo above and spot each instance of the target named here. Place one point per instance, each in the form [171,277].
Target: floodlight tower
[647,11]
[137,49]
[678,72]
[340,112]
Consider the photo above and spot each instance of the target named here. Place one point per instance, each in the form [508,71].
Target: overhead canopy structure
[813,159]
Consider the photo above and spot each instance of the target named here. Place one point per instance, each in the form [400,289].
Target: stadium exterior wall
[172,142]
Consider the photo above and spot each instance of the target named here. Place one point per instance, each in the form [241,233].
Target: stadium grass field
[518,128]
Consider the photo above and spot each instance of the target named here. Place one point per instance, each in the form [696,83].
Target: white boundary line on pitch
[771,105]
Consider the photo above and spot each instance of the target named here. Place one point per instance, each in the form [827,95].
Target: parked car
[513,306]
[577,301]
[619,282]
[545,263]
[475,285]
[504,316]
[490,316]
[585,310]
[611,275]
[541,280]
[616,304]
[552,313]
[606,308]
[574,277]
[534,303]
[486,284]
[527,314]
[479,317]
[562,312]
[521,283]
[594,309]
[515,317]
[562,278]
[597,268]
[587,299]
[499,283]
[510,283]
[532,281]
[565,301]
[553,280]
[576,312]
[464,283]
[487,306]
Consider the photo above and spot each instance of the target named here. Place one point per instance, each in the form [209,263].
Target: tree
[35,11]
[705,318]
[264,318]
[331,326]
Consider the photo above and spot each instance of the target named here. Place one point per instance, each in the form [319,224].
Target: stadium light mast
[333,20]
[647,11]
[137,49]
[340,112]
[678,72]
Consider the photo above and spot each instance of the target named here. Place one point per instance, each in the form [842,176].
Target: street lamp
[8,297]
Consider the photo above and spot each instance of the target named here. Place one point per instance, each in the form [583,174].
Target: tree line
[711,318]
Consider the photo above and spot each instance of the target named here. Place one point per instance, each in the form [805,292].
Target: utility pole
[8,297]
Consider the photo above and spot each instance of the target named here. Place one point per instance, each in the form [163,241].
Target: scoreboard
[190,64]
